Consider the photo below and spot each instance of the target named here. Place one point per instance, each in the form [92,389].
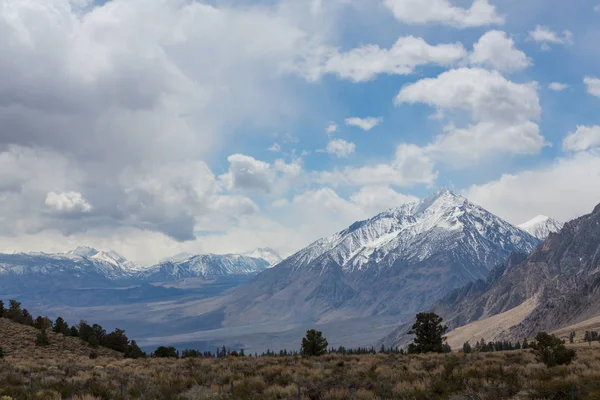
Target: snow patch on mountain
[416,231]
[267,254]
[541,226]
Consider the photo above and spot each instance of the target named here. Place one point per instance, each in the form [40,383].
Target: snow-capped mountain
[66,270]
[111,257]
[541,226]
[267,254]
[397,262]
[203,265]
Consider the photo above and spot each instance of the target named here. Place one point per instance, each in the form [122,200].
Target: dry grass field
[63,370]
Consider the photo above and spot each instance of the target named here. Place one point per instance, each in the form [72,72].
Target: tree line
[94,335]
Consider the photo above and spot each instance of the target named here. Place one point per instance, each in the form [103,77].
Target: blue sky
[159,126]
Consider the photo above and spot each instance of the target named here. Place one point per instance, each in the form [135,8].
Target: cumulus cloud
[593,85]
[502,111]
[565,189]
[443,12]
[331,128]
[485,95]
[366,62]
[340,148]
[275,148]
[67,202]
[496,50]
[366,124]
[557,86]
[545,36]
[411,166]
[584,138]
[375,199]
[248,173]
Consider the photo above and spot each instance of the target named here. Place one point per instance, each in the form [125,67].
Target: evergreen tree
[134,351]
[571,337]
[60,326]
[466,348]
[42,323]
[525,345]
[27,317]
[429,333]
[1,353]
[42,338]
[14,311]
[93,341]
[313,344]
[116,340]
[518,346]
[166,352]
[2,309]
[587,337]
[242,353]
[551,351]
[74,331]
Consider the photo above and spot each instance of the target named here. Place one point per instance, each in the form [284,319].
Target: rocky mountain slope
[541,226]
[394,264]
[559,280]
[203,266]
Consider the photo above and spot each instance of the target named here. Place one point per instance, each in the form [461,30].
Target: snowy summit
[541,226]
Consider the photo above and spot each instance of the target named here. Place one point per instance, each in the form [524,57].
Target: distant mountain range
[442,253]
[85,266]
[391,266]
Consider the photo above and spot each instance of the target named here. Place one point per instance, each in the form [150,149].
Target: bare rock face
[562,274]
[394,264]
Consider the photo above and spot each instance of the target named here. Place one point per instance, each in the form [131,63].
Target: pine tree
[134,351]
[551,351]
[60,326]
[571,337]
[429,333]
[525,345]
[14,311]
[2,309]
[1,353]
[313,344]
[42,338]
[466,348]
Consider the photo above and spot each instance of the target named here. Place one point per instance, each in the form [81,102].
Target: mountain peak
[267,254]
[541,226]
[83,251]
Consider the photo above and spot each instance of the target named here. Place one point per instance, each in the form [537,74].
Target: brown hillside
[18,341]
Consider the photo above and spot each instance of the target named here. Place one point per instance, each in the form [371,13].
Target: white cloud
[331,128]
[545,36]
[584,138]
[502,112]
[475,143]
[366,124]
[248,173]
[565,189]
[557,86]
[340,148]
[597,8]
[67,202]
[276,148]
[496,50]
[366,62]
[593,85]
[486,95]
[410,167]
[481,13]
[375,199]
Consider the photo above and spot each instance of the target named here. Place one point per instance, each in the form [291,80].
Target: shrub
[1,353]
[42,338]
[93,355]
[166,352]
[551,351]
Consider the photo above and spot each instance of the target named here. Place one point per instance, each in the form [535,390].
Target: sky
[153,127]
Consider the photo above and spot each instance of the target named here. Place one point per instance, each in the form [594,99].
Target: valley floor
[503,375]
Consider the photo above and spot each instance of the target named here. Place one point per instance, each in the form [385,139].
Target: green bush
[551,351]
